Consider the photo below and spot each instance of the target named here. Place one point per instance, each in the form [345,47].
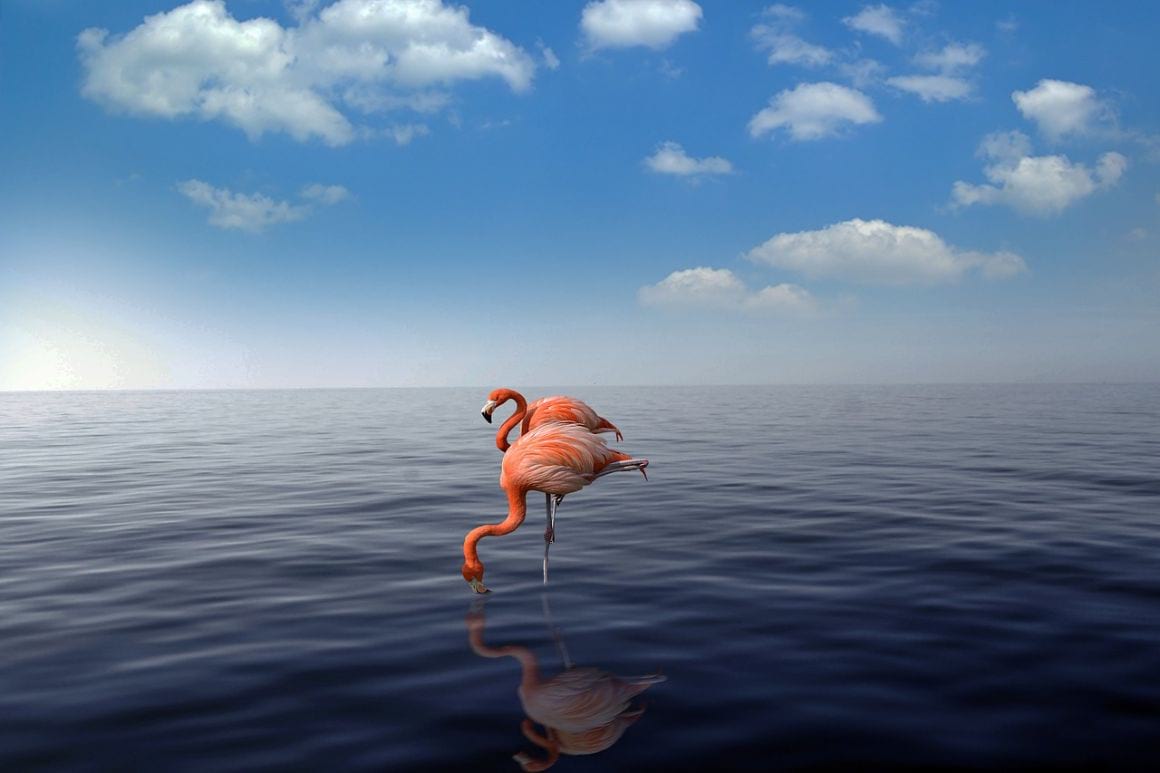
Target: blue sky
[248,193]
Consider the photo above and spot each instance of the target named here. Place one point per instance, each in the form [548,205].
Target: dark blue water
[878,577]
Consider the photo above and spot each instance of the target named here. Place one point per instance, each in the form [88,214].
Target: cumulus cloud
[651,23]
[720,289]
[953,56]
[786,48]
[811,111]
[1035,185]
[551,61]
[863,72]
[880,20]
[877,252]
[198,61]
[254,212]
[775,34]
[325,194]
[949,82]
[403,133]
[932,88]
[1061,108]
[671,158]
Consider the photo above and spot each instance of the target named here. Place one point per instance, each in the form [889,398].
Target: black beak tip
[486,416]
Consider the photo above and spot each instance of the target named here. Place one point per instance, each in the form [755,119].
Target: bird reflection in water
[583,710]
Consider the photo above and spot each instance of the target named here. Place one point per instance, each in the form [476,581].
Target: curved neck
[517,509]
[548,742]
[501,436]
[529,668]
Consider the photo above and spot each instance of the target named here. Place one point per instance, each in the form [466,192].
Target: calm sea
[869,577]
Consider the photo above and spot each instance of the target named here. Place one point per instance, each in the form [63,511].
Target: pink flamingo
[583,710]
[556,459]
[567,410]
[559,409]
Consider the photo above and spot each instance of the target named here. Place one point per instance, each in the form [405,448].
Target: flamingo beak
[488,407]
[477,586]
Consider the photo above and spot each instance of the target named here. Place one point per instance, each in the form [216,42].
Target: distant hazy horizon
[538,390]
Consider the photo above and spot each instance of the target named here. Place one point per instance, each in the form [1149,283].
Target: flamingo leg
[556,634]
[548,535]
[550,532]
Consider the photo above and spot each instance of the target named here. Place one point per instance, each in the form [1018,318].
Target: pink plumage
[555,458]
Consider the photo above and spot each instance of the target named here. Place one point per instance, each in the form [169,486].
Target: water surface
[886,577]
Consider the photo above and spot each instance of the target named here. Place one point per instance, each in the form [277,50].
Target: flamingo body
[583,710]
[568,410]
[582,698]
[556,459]
[546,410]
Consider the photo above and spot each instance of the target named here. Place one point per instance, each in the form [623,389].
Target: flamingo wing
[567,410]
[558,459]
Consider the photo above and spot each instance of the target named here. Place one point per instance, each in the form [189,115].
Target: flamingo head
[473,573]
[494,400]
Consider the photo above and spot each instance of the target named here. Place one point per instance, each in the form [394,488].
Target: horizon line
[586,386]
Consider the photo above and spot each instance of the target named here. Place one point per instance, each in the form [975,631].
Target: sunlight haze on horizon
[358,193]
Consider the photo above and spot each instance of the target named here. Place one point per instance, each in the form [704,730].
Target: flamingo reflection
[583,710]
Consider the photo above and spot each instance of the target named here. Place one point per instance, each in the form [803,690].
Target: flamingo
[583,710]
[561,409]
[556,459]
[558,408]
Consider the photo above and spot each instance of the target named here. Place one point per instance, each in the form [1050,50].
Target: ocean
[867,577]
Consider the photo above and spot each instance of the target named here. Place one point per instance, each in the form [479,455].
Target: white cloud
[923,8]
[880,20]
[786,48]
[551,61]
[932,88]
[1007,147]
[720,289]
[863,72]
[403,133]
[246,212]
[370,99]
[812,111]
[776,36]
[198,61]
[948,83]
[301,9]
[877,252]
[254,212]
[651,23]
[953,56]
[325,194]
[670,158]
[1061,108]
[1035,185]
[784,13]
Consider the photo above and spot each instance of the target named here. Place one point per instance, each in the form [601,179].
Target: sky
[361,193]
